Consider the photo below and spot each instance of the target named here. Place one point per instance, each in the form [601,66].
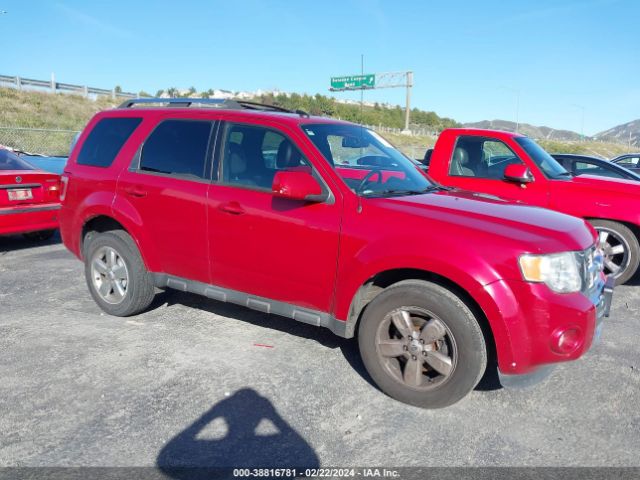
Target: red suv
[324,222]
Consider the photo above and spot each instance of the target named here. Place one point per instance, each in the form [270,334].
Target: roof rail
[181,102]
[216,102]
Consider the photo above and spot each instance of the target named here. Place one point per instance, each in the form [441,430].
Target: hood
[532,229]
[606,184]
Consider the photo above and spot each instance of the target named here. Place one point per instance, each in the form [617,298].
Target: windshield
[368,164]
[549,165]
[10,161]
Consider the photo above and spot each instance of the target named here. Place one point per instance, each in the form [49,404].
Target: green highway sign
[353,82]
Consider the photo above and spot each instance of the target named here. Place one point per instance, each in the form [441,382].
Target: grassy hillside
[71,112]
[45,110]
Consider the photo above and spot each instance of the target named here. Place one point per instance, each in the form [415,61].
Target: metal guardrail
[55,87]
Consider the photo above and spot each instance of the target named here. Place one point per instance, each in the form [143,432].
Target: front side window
[367,163]
[177,147]
[10,161]
[105,141]
[481,158]
[252,155]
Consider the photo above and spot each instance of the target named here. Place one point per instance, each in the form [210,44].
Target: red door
[167,186]
[280,249]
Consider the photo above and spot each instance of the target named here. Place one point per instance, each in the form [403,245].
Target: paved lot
[185,382]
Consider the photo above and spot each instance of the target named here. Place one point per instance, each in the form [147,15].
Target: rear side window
[177,147]
[105,141]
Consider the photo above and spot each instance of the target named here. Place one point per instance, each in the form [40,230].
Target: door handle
[232,208]
[135,192]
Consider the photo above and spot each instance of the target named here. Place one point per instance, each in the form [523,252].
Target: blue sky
[468,57]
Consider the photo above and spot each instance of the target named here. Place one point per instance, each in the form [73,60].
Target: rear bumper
[589,321]
[29,218]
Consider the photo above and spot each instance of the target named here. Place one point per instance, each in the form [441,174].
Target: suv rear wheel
[620,248]
[116,275]
[422,345]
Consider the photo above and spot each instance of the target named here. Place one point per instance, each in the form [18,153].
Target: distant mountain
[625,133]
[528,130]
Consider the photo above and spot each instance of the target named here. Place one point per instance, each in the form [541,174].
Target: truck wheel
[620,247]
[116,275]
[422,345]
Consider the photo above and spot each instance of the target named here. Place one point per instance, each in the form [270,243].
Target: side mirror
[518,173]
[297,185]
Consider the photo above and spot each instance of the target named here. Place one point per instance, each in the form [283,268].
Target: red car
[515,167]
[326,223]
[29,198]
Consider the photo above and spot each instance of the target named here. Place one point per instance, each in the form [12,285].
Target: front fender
[470,272]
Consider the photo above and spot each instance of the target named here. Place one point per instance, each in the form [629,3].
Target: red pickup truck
[325,223]
[513,166]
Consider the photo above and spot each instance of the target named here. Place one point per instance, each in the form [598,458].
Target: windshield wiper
[400,191]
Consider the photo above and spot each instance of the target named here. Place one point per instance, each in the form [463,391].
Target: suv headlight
[559,271]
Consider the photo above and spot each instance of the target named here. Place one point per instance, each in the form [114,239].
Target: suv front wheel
[116,275]
[422,345]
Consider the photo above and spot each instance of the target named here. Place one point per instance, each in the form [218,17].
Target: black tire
[620,234]
[468,353]
[139,286]
[39,236]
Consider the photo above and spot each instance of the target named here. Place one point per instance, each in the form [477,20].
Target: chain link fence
[49,142]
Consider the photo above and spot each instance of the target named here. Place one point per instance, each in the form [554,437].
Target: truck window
[480,157]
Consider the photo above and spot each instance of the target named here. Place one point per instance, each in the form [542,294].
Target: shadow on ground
[241,431]
[348,347]
[18,242]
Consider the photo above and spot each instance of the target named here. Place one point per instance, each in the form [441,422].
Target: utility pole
[407,112]
[362,90]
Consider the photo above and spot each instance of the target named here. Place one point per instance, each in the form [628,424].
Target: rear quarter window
[105,141]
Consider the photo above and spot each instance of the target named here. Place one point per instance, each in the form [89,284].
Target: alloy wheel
[109,275]
[615,250]
[416,348]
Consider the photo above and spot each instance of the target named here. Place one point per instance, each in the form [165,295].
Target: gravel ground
[189,382]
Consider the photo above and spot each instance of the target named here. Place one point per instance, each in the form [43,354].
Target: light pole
[581,120]
[517,92]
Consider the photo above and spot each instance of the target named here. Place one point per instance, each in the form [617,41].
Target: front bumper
[601,301]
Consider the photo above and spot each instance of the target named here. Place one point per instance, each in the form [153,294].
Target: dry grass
[46,110]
